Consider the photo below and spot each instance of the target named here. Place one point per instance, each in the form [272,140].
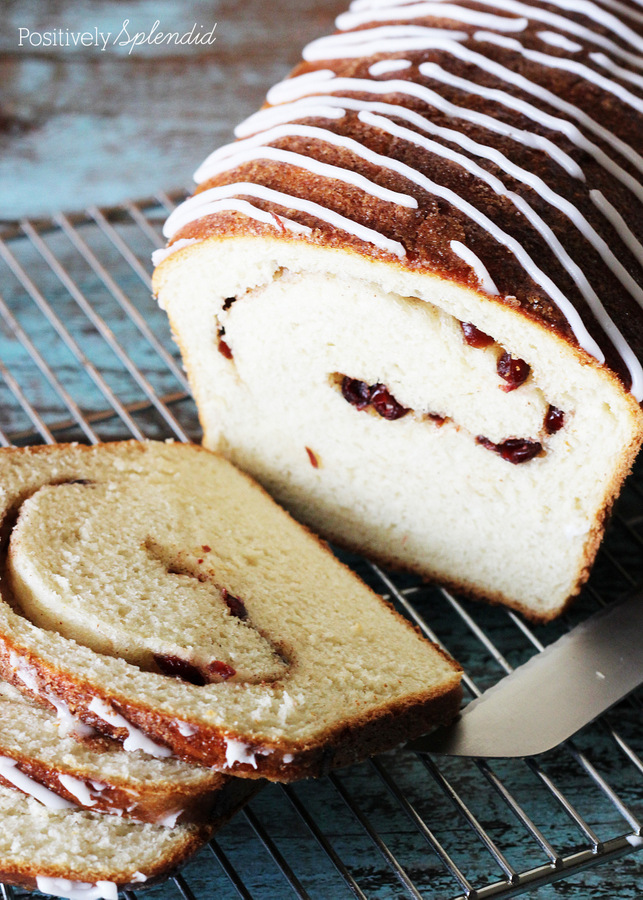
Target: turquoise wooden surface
[81,127]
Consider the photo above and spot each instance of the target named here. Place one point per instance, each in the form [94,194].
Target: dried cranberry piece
[439,420]
[518,450]
[385,403]
[514,371]
[176,667]
[236,606]
[485,442]
[312,456]
[554,420]
[205,548]
[358,393]
[220,671]
[513,450]
[224,349]
[474,337]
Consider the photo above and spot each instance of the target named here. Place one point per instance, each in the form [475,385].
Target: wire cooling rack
[86,355]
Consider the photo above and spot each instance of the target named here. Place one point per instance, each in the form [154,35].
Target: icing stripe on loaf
[515,108]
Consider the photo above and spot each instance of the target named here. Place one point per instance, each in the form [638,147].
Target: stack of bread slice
[82,817]
[154,596]
[78,853]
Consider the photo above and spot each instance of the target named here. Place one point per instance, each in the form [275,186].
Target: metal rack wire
[86,355]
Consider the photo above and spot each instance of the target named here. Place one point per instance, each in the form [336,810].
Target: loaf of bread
[408,298]
[65,764]
[84,855]
[170,603]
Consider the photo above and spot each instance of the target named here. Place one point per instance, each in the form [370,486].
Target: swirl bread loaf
[409,296]
[65,764]
[169,602]
[83,854]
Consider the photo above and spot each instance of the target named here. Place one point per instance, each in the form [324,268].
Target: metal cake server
[554,694]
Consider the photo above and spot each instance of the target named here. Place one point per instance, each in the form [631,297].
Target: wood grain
[83,125]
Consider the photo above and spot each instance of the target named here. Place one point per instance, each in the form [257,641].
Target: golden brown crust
[353,739]
[426,232]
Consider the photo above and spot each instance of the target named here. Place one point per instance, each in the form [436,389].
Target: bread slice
[408,298]
[169,602]
[65,764]
[79,853]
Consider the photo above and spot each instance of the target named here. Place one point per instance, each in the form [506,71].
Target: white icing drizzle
[612,4]
[585,340]
[138,878]
[602,60]
[567,128]
[24,672]
[98,785]
[537,13]
[384,66]
[592,11]
[77,890]
[577,274]
[10,772]
[163,252]
[559,40]
[290,111]
[372,41]
[226,157]
[233,204]
[273,115]
[483,62]
[624,9]
[325,170]
[68,723]
[312,78]
[78,789]
[619,223]
[349,20]
[136,739]
[281,93]
[207,170]
[359,5]
[552,197]
[297,97]
[526,177]
[432,70]
[238,752]
[481,272]
[205,203]
[569,65]
[581,333]
[286,707]
[170,820]
[287,758]
[186,729]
